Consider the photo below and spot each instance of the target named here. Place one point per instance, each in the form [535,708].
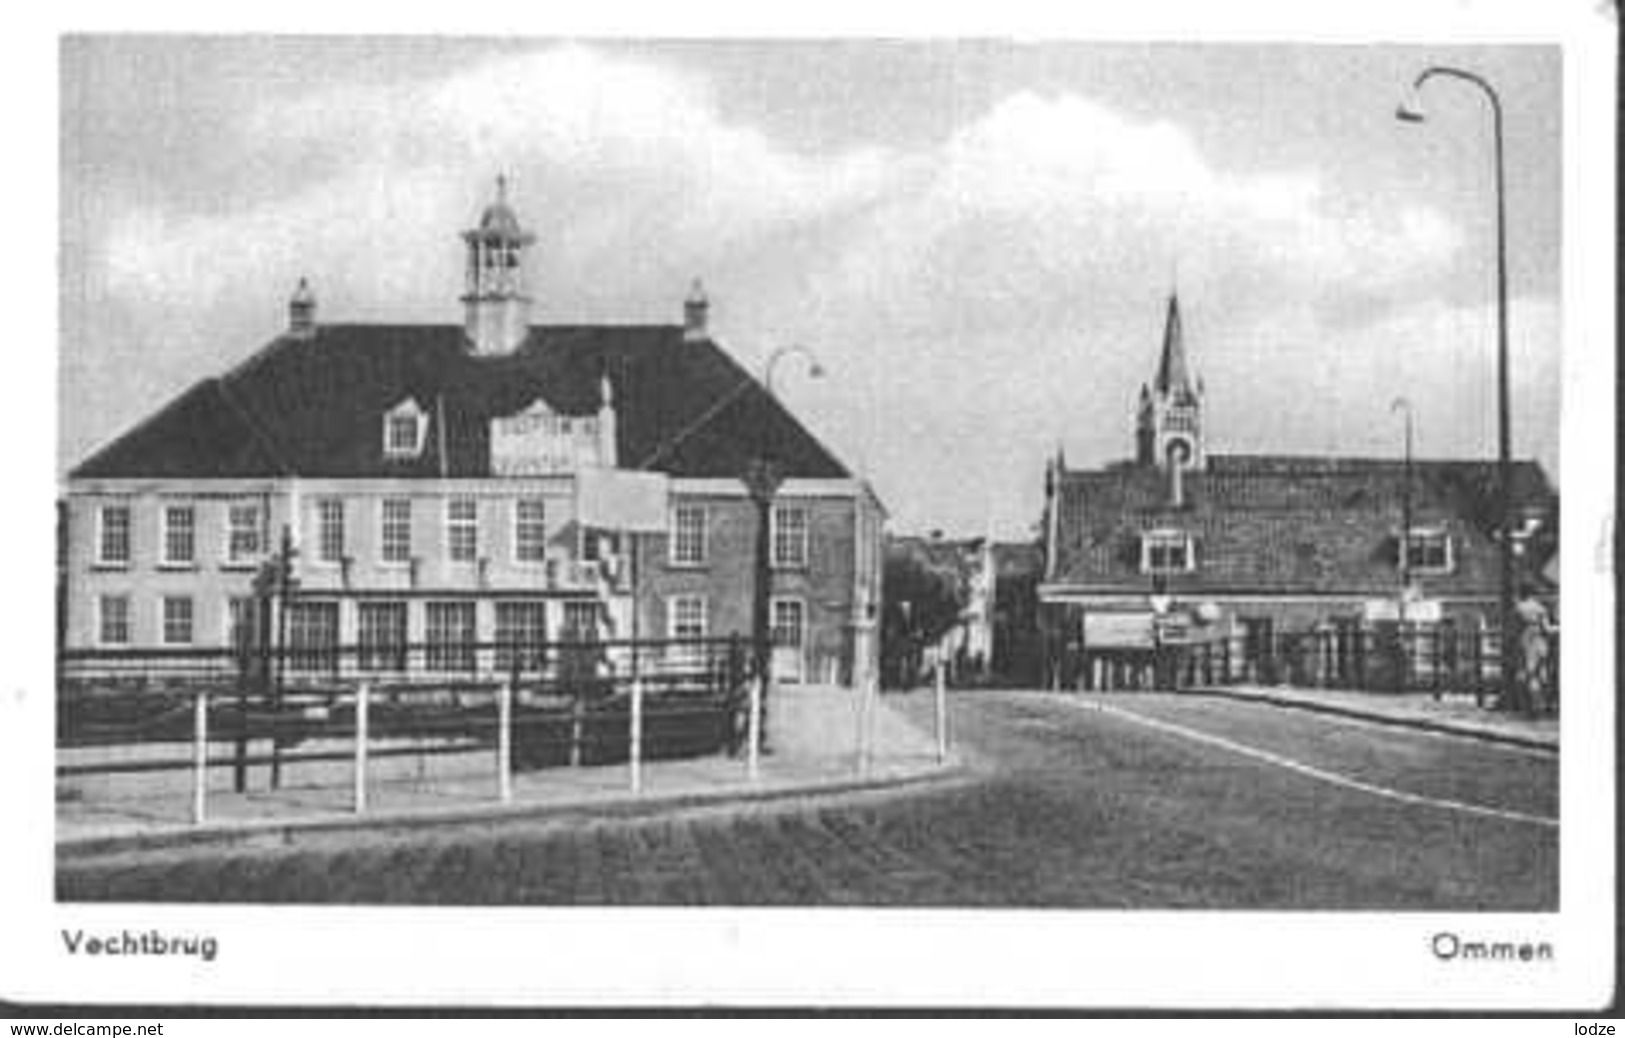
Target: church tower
[496,308]
[1169,428]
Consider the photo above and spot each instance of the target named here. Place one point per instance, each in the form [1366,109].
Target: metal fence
[532,705]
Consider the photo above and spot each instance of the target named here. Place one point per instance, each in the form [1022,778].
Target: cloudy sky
[976,238]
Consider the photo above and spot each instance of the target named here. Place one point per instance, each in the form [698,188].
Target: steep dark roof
[1275,524]
[314,406]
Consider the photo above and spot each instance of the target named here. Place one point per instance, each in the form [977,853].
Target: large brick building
[448,484]
[1185,544]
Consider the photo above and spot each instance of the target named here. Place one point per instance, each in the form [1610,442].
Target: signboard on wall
[538,442]
[1117,630]
[618,499]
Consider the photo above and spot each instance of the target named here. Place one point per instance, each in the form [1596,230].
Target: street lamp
[1411,111]
[1401,403]
[762,478]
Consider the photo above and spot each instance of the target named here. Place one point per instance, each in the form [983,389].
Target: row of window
[449,627]
[1166,552]
[689,542]
[178,534]
[246,542]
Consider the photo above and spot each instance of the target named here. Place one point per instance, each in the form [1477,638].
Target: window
[113,536]
[530,530]
[685,616]
[180,535]
[789,536]
[242,623]
[313,636]
[581,621]
[462,529]
[177,620]
[330,530]
[688,535]
[113,620]
[449,633]
[788,633]
[521,635]
[403,430]
[395,530]
[1429,551]
[381,636]
[243,538]
[789,622]
[1166,551]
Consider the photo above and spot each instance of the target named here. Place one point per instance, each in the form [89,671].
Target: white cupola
[496,308]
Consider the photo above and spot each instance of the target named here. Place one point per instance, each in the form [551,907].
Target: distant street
[1120,801]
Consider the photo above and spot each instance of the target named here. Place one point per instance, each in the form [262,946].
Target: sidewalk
[1454,714]
[813,737]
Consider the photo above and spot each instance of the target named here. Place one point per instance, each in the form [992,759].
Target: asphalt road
[1124,801]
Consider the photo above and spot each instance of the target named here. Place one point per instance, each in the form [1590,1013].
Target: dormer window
[404,427]
[1429,550]
[1166,552]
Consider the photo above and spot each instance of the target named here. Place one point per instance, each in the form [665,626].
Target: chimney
[694,311]
[302,312]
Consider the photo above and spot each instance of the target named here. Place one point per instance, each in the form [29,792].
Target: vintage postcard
[1116,517]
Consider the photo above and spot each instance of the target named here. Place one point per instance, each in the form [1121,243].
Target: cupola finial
[302,311]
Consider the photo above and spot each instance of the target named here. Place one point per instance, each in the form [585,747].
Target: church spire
[1173,373]
[1168,428]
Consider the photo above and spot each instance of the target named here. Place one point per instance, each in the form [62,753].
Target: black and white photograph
[941,518]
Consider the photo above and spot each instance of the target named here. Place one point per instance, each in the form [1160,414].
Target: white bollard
[200,755]
[505,742]
[860,736]
[363,697]
[753,750]
[634,753]
[942,715]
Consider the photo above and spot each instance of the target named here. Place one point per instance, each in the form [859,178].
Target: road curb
[286,830]
[1417,723]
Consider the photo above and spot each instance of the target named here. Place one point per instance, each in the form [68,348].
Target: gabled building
[1184,545]
[444,485]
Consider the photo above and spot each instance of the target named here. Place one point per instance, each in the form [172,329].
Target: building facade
[1182,546]
[439,486]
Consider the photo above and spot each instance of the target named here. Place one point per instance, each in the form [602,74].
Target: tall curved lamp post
[1402,404]
[762,478]
[1411,111]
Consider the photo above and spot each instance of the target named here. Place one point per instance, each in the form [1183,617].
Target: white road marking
[1309,771]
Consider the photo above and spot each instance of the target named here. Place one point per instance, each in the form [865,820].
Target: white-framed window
[530,530]
[788,623]
[789,530]
[1429,550]
[113,620]
[395,530]
[381,636]
[404,427]
[245,532]
[688,535]
[787,631]
[462,529]
[180,535]
[313,636]
[1166,551]
[521,634]
[330,530]
[242,622]
[686,616]
[113,535]
[449,636]
[177,619]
